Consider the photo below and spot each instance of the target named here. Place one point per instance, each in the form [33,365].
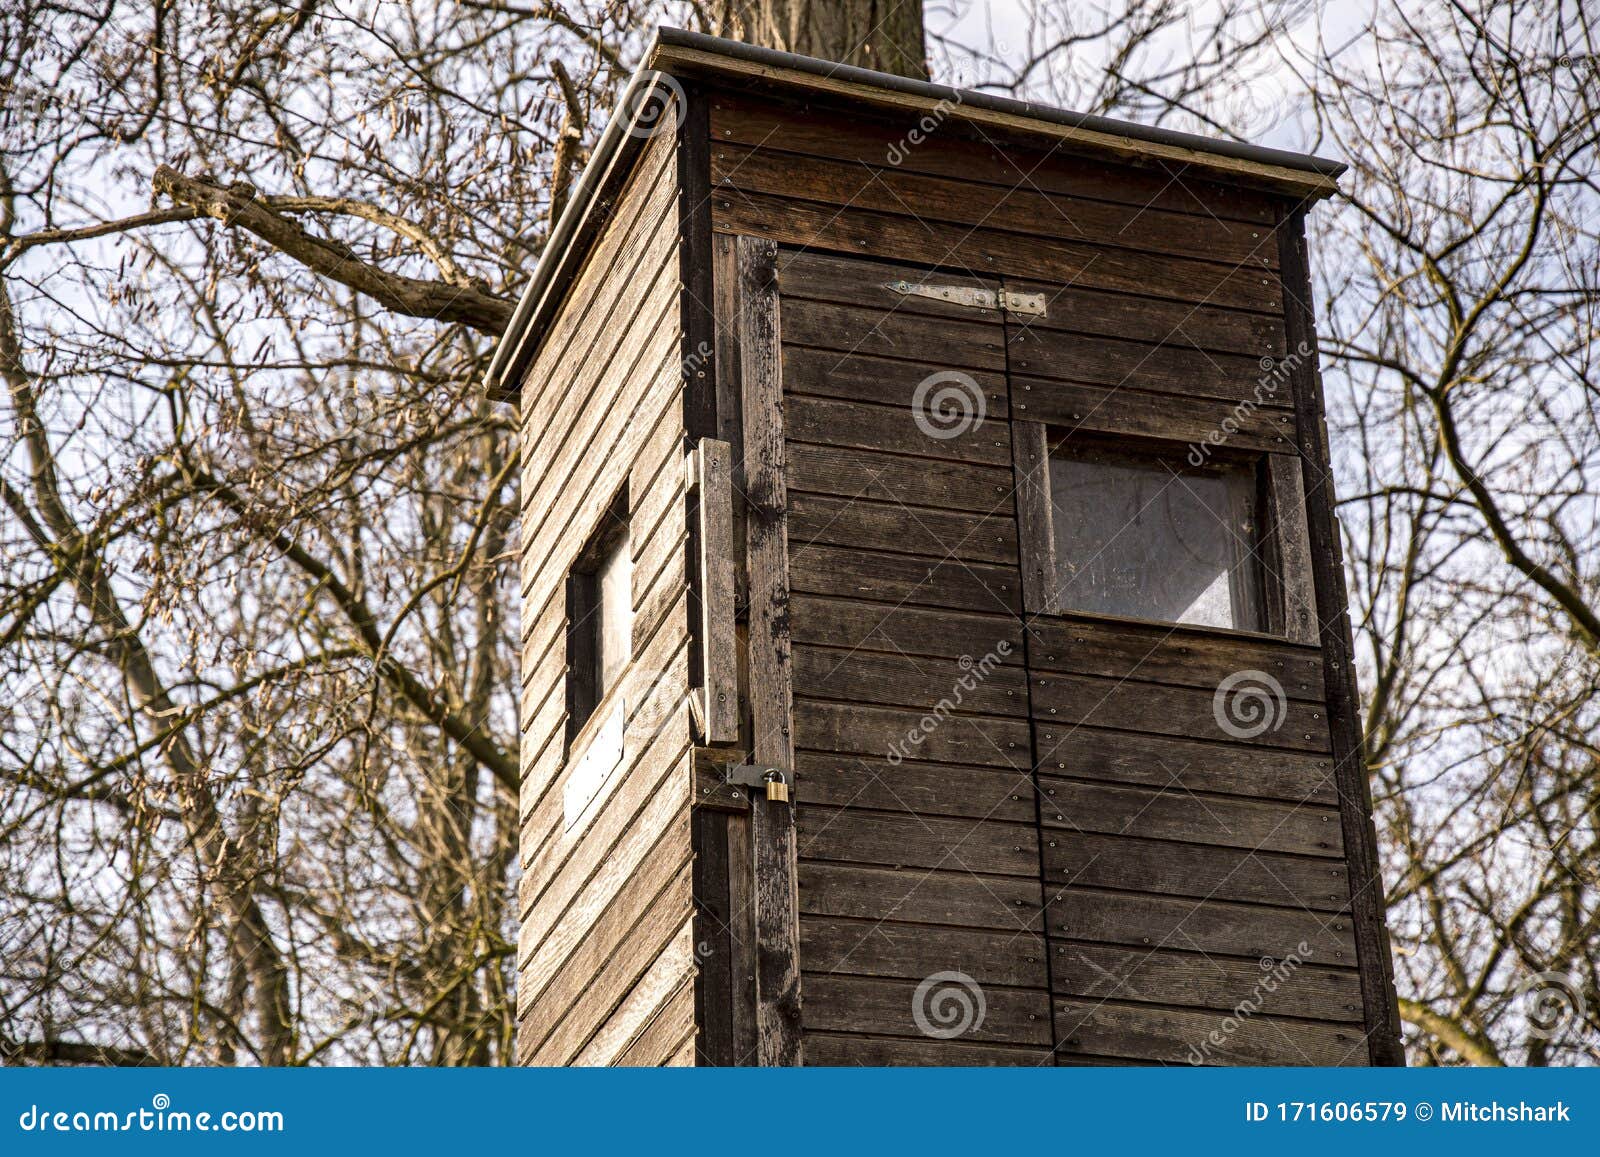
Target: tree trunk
[881,34]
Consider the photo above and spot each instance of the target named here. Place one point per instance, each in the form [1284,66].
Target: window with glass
[1148,536]
[599,616]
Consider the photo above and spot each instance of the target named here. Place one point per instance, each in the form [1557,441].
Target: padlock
[777,790]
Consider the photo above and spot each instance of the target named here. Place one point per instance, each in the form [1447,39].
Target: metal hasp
[974,297]
[773,780]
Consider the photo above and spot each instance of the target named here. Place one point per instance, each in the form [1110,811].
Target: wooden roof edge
[674,52]
[694,54]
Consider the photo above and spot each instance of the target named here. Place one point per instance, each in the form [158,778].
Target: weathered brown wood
[924,789]
[650,727]
[865,1004]
[854,675]
[669,1039]
[1166,868]
[1167,653]
[834,422]
[935,343]
[865,139]
[1187,712]
[918,482]
[553,927]
[1020,207]
[589,485]
[1288,987]
[1160,761]
[898,839]
[1130,317]
[777,945]
[865,282]
[591,994]
[1045,355]
[915,951]
[803,223]
[742,938]
[901,579]
[1176,1036]
[1216,927]
[713,939]
[975,740]
[1292,553]
[1035,537]
[642,211]
[826,373]
[696,323]
[661,866]
[666,979]
[719,691]
[908,630]
[710,790]
[1217,821]
[1124,411]
[918,896]
[882,526]
[840,1049]
[1333,625]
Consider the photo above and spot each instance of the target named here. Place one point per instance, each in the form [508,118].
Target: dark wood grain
[772,835]
[886,527]
[1333,620]
[1248,930]
[1166,868]
[1270,988]
[911,951]
[864,139]
[1175,1036]
[898,839]
[1166,653]
[904,579]
[1215,821]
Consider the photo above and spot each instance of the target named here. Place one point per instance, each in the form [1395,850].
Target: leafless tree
[258,599]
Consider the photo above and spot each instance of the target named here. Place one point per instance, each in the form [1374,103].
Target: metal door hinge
[974,297]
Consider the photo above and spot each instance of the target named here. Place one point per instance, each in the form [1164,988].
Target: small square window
[599,616]
[1149,537]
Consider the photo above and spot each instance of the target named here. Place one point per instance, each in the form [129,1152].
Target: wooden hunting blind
[934,638]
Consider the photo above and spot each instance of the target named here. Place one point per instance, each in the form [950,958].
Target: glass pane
[616,612]
[1145,540]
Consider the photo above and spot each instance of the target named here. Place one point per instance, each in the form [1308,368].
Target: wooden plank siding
[605,959]
[926,861]
[1080,834]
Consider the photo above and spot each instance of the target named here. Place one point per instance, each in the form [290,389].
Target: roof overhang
[675,53]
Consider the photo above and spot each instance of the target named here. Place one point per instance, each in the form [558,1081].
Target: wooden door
[1027,834]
